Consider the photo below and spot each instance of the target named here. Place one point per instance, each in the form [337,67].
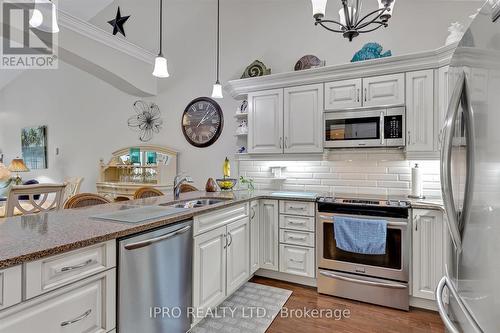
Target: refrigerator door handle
[444,282]
[460,96]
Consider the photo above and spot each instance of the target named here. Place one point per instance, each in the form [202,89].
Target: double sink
[194,203]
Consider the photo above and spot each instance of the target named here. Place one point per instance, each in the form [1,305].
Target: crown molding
[390,65]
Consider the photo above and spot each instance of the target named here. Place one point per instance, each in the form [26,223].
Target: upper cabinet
[420,111]
[303,119]
[344,94]
[286,120]
[385,90]
[265,122]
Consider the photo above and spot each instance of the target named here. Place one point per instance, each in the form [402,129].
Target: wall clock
[202,122]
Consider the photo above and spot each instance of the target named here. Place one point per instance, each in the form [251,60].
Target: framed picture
[34,147]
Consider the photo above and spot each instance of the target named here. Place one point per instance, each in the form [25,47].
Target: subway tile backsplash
[345,173]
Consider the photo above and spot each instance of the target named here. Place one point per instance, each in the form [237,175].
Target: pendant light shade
[319,8]
[41,10]
[161,69]
[217,89]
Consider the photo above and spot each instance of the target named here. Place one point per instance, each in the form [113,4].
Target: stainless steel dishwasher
[155,280]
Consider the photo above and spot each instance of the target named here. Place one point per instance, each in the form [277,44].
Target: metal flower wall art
[147,120]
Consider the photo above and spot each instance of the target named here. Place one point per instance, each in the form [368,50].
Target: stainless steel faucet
[178,181]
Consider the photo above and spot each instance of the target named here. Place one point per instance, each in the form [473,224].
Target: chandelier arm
[379,11]
[348,21]
[321,22]
[380,24]
[357,12]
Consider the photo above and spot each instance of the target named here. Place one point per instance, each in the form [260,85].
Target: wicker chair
[188,188]
[85,200]
[147,192]
[73,185]
[121,198]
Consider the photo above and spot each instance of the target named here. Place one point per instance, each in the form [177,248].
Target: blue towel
[362,236]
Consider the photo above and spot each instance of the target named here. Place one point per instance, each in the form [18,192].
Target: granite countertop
[31,237]
[27,238]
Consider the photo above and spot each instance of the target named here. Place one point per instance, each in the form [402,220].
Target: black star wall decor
[118,23]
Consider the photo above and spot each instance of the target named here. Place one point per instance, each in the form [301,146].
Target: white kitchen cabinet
[345,94]
[420,111]
[269,237]
[303,119]
[428,252]
[384,90]
[265,122]
[10,286]
[84,306]
[238,255]
[297,260]
[209,268]
[254,236]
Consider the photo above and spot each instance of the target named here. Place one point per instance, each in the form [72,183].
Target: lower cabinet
[428,252]
[254,236]
[269,237]
[297,260]
[209,270]
[85,306]
[238,247]
[221,263]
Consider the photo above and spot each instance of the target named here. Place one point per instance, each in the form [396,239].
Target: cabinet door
[269,236]
[238,254]
[428,254]
[254,236]
[420,111]
[209,268]
[303,119]
[340,95]
[265,122]
[384,90]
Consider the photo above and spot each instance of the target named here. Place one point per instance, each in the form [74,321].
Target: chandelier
[350,24]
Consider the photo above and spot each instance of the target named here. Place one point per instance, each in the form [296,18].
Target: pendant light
[217,90]
[161,70]
[37,21]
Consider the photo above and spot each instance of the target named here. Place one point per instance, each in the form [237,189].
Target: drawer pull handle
[296,222]
[296,208]
[297,261]
[303,238]
[83,264]
[77,319]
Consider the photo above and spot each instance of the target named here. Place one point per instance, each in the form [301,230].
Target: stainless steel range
[379,279]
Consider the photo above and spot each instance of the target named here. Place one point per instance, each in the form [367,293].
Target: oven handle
[370,283]
[382,128]
[329,219]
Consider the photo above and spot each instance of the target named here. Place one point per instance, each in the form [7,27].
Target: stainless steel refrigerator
[468,296]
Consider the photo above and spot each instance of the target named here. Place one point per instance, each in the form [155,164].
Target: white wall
[87,118]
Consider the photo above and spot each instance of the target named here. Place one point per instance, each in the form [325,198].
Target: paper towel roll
[416,182]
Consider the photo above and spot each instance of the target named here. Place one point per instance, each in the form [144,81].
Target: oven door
[393,265]
[354,129]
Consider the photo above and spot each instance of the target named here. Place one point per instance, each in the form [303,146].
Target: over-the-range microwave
[365,128]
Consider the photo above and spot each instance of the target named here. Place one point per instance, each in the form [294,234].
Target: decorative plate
[256,68]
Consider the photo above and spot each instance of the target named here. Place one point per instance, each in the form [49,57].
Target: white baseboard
[307,281]
[423,303]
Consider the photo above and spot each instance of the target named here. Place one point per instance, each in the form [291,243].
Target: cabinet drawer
[297,208]
[305,223]
[213,220]
[53,272]
[86,306]
[297,260]
[10,286]
[297,237]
